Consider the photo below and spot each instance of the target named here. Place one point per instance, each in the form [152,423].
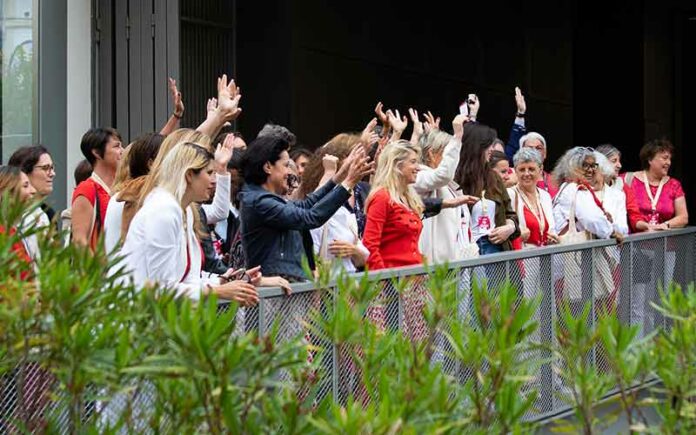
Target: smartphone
[464,109]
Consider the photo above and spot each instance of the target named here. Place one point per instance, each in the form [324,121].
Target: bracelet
[177,116]
[520,115]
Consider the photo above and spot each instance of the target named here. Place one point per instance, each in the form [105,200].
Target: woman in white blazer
[442,239]
[161,246]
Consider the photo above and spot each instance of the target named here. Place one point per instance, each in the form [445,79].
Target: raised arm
[518,126]
[178,104]
[227,109]
[427,181]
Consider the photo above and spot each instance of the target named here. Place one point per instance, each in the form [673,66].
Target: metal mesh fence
[623,279]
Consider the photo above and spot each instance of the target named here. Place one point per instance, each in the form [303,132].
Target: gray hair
[278,131]
[604,166]
[608,150]
[532,135]
[433,142]
[527,155]
[571,162]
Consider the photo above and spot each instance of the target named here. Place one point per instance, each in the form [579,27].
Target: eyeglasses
[46,168]
[590,166]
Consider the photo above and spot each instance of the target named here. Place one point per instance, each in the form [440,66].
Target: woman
[161,245]
[616,181]
[338,240]
[441,239]
[500,164]
[532,204]
[15,185]
[613,200]
[660,198]
[494,223]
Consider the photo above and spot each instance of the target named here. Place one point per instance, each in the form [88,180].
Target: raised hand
[397,122]
[431,123]
[519,100]
[379,111]
[474,105]
[228,99]
[223,154]
[368,133]
[417,124]
[177,101]
[458,125]
[212,105]
[330,163]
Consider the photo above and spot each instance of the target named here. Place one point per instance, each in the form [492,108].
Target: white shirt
[478,229]
[156,247]
[342,226]
[614,202]
[588,215]
[37,220]
[112,224]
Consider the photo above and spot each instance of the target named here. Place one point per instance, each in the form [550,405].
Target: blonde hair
[389,177]
[432,143]
[123,171]
[10,181]
[179,136]
[184,157]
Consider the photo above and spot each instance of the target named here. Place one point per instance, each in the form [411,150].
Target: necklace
[654,216]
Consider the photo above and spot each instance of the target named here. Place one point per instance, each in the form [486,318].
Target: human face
[503,169]
[113,152]
[277,181]
[660,164]
[589,169]
[434,159]
[528,174]
[537,145]
[301,162]
[615,160]
[409,168]
[42,175]
[202,184]
[26,189]
[239,143]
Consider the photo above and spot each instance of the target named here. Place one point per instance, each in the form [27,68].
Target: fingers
[371,125]
[518,92]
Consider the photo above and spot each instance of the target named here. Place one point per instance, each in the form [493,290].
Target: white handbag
[572,261]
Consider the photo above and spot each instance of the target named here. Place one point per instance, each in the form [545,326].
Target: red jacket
[391,233]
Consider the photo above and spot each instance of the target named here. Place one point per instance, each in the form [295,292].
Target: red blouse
[90,189]
[535,236]
[671,191]
[391,233]
[546,183]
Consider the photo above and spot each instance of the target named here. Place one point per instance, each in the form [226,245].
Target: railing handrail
[397,272]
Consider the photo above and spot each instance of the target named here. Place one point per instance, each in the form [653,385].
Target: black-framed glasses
[590,166]
[46,168]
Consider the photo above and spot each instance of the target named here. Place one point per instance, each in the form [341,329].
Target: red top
[665,204]
[391,233]
[535,236]
[631,208]
[20,251]
[89,189]
[546,183]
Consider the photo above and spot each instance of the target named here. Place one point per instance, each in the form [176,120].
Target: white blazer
[342,226]
[587,214]
[156,247]
[546,207]
[440,237]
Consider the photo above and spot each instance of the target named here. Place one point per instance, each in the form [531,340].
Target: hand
[254,275]
[277,281]
[500,234]
[524,234]
[417,125]
[330,164]
[519,100]
[239,291]
[223,154]
[459,200]
[618,236]
[342,172]
[367,137]
[609,218]
[458,125]
[396,121]
[211,106]
[431,123]
[552,239]
[657,227]
[474,104]
[359,168]
[176,99]
[381,115]
[228,99]
[230,141]
[232,274]
[341,248]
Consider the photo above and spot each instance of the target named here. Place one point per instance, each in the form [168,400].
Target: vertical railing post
[547,315]
[626,287]
[587,265]
[335,367]
[262,316]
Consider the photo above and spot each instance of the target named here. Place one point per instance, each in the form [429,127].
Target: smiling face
[615,160]
[26,189]
[503,169]
[278,172]
[660,164]
[42,175]
[528,174]
[201,184]
[409,168]
[112,152]
[588,170]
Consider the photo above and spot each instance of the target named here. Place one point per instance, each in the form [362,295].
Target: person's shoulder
[86,188]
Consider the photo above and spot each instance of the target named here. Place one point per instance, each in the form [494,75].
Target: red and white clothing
[662,197]
[547,184]
[534,214]
[93,188]
[588,214]
[391,234]
[482,218]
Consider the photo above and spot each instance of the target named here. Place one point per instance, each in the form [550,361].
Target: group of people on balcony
[199,211]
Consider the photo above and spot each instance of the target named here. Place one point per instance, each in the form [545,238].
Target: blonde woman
[161,245]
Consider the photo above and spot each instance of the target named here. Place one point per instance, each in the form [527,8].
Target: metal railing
[624,277]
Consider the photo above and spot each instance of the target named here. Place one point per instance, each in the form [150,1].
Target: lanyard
[97,179]
[656,198]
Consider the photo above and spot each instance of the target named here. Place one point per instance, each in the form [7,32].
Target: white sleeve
[219,209]
[620,219]
[112,224]
[591,217]
[429,180]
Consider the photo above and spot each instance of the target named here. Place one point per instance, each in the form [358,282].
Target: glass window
[16,98]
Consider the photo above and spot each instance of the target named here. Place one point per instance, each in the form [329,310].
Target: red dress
[391,233]
[535,235]
[90,189]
